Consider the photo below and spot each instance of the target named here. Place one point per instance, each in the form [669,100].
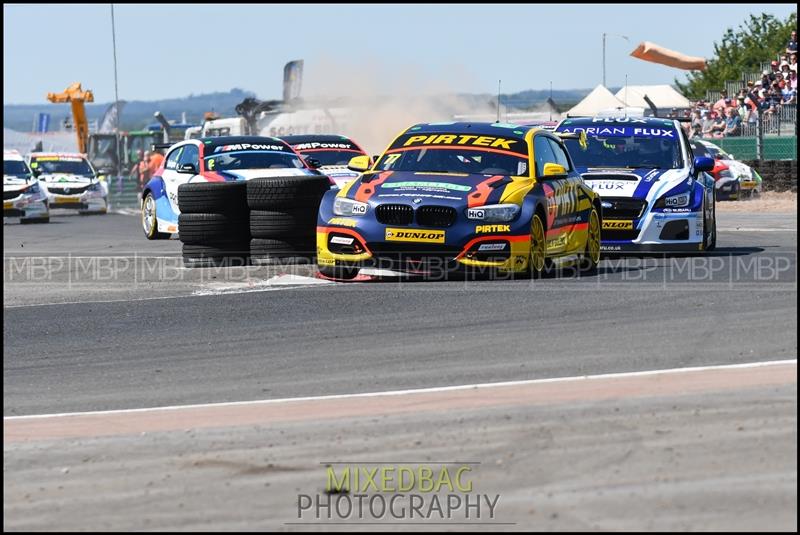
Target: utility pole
[498,100]
[116,93]
[604,60]
[604,52]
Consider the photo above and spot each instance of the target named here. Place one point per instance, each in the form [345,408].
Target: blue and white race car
[213,159]
[23,197]
[656,196]
[70,181]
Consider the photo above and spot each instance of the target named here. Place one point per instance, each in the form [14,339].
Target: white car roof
[12,155]
[58,155]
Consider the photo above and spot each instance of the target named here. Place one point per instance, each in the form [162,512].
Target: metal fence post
[760,135]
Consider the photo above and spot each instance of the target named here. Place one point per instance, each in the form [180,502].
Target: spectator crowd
[726,116]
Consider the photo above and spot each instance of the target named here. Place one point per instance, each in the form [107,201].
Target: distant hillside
[137,114]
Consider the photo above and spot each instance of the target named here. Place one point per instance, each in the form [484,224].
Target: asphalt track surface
[76,339]
[738,305]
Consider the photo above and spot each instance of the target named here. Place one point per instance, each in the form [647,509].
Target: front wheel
[537,257]
[591,256]
[149,221]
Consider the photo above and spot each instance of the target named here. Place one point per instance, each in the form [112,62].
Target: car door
[171,178]
[579,202]
[189,156]
[559,191]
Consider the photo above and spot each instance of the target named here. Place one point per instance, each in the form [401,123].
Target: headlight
[493,212]
[33,188]
[94,187]
[343,206]
[674,201]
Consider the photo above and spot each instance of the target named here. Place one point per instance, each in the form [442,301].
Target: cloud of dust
[383,99]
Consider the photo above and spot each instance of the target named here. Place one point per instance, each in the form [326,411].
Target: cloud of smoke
[377,100]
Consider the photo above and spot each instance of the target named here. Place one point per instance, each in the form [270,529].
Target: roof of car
[12,155]
[58,154]
[308,138]
[660,121]
[492,129]
[232,140]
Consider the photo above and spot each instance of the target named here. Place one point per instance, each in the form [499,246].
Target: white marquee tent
[598,100]
[663,96]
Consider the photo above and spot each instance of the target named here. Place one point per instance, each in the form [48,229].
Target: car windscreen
[15,168]
[252,159]
[69,166]
[625,146]
[716,152]
[331,157]
[456,153]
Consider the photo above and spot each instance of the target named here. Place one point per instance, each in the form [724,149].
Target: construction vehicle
[76,96]
[102,148]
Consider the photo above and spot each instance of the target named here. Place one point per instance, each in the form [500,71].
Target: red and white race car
[332,152]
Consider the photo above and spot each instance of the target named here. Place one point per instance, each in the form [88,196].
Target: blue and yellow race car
[444,196]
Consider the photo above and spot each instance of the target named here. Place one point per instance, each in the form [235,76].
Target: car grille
[436,216]
[394,214]
[391,255]
[622,208]
[11,194]
[608,176]
[63,190]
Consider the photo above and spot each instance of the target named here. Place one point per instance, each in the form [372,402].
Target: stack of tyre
[214,223]
[283,218]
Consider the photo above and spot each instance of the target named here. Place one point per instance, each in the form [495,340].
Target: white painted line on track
[577,378]
[125,211]
[278,282]
[210,294]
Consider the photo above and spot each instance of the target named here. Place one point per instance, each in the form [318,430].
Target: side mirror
[703,163]
[188,168]
[554,170]
[313,163]
[359,163]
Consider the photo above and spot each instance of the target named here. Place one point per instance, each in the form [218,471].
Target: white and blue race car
[70,181]
[23,197]
[212,159]
[655,194]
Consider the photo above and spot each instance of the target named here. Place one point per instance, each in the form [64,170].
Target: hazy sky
[167,50]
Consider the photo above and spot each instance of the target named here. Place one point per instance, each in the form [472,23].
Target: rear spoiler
[161,146]
[580,136]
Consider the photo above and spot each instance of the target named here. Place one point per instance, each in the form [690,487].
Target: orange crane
[76,96]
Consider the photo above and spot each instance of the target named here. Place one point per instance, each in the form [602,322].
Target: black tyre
[338,272]
[591,254]
[212,228]
[213,197]
[219,254]
[292,223]
[279,193]
[710,236]
[271,251]
[33,221]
